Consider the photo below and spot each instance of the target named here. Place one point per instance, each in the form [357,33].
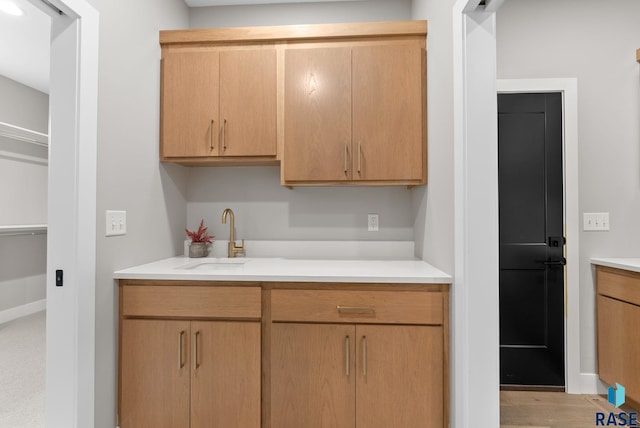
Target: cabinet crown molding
[294,32]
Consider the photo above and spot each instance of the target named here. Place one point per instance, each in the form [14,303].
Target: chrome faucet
[233,248]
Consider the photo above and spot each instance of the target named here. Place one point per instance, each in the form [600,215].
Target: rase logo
[616,397]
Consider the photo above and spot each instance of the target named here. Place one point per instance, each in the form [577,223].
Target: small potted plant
[200,241]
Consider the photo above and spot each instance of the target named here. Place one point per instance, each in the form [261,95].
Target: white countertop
[287,270]
[631,264]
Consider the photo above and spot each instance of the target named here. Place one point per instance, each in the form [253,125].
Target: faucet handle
[238,249]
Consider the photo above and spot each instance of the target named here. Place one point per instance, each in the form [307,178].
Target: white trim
[475,381]
[22,311]
[575,383]
[71,243]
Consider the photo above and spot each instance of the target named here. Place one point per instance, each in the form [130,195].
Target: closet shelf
[23,134]
[23,229]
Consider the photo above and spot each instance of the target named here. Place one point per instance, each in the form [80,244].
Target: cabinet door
[317,115]
[189,115]
[248,102]
[388,113]
[399,376]
[154,374]
[312,376]
[618,345]
[225,387]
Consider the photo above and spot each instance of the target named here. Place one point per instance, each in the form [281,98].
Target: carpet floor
[22,372]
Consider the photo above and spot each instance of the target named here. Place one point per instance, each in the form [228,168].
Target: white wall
[130,176]
[263,208]
[595,43]
[23,196]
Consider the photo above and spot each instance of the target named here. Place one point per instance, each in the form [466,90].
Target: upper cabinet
[355,114]
[218,105]
[333,104]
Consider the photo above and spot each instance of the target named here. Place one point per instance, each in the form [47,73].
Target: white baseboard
[22,311]
[588,383]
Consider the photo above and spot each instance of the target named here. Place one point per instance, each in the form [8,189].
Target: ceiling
[25,46]
[25,40]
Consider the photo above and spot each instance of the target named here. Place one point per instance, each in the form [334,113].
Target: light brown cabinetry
[218,105]
[618,322]
[365,368]
[334,103]
[189,373]
[352,114]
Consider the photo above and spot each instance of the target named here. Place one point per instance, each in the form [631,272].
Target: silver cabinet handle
[196,338]
[211,134]
[359,157]
[180,361]
[224,135]
[347,357]
[364,356]
[356,309]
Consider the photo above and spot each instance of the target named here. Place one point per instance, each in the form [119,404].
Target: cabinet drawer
[191,301]
[621,285]
[335,306]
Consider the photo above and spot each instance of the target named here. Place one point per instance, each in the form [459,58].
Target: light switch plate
[116,223]
[594,222]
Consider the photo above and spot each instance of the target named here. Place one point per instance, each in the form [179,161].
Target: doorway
[532,258]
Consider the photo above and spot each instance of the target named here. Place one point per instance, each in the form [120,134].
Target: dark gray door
[531,239]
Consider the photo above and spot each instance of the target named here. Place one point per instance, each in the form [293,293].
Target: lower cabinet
[270,355]
[346,359]
[618,322]
[177,373]
[374,376]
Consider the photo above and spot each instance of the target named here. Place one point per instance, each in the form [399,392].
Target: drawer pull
[356,309]
[180,361]
[347,348]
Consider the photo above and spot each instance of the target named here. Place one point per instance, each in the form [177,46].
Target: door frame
[575,381]
[71,241]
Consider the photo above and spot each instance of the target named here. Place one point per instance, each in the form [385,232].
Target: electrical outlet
[116,223]
[372,220]
[596,222]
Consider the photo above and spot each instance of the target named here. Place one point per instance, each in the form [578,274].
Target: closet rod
[23,134]
[42,232]
[31,229]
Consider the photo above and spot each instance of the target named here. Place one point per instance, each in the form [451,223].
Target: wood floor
[551,409]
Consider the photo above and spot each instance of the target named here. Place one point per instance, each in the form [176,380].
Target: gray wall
[23,106]
[595,42]
[266,210]
[433,204]
[300,13]
[23,196]
[130,176]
